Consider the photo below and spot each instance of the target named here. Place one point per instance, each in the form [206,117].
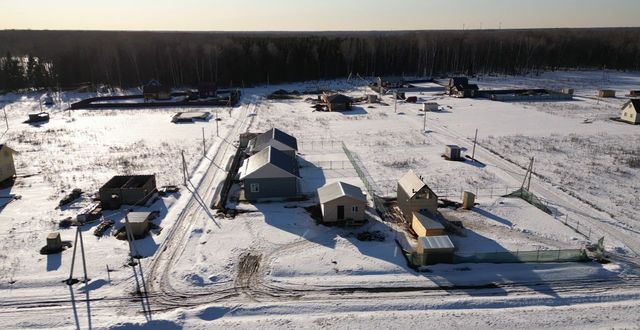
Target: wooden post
[84,261]
[424,124]
[184,168]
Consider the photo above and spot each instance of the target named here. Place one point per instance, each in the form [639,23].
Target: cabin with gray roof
[337,102]
[630,112]
[270,174]
[7,165]
[342,203]
[273,138]
[415,196]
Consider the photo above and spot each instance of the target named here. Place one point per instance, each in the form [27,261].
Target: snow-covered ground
[584,172]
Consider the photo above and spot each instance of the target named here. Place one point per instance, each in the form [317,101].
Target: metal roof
[339,189]
[338,98]
[411,183]
[262,140]
[270,155]
[427,222]
[436,242]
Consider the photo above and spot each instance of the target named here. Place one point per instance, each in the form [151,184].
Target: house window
[354,209]
[255,187]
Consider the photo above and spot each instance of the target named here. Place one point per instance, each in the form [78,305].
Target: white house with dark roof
[273,138]
[269,174]
[342,202]
[630,111]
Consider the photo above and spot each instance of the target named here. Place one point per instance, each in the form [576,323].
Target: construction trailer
[606,93]
[415,196]
[7,164]
[423,224]
[127,190]
[269,174]
[453,152]
[630,111]
[337,102]
[273,138]
[342,203]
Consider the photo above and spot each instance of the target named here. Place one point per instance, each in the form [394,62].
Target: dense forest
[43,59]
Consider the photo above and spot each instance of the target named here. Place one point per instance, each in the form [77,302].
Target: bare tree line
[43,59]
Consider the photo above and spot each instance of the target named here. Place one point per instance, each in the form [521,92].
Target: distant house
[342,202]
[154,90]
[269,173]
[337,102]
[415,196]
[207,89]
[634,93]
[128,190]
[273,138]
[424,225]
[605,93]
[630,111]
[7,165]
[460,87]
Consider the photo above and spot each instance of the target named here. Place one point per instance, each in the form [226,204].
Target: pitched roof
[411,183]
[270,155]
[635,103]
[338,98]
[436,242]
[263,139]
[339,189]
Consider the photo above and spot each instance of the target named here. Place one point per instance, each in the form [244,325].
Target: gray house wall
[271,188]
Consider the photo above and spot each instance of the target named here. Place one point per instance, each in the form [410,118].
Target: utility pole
[184,168]
[530,174]
[475,140]
[204,145]
[395,102]
[424,124]
[6,121]
[217,132]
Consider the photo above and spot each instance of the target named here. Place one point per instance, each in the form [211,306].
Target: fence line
[368,183]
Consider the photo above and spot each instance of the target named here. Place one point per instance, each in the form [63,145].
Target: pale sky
[314,15]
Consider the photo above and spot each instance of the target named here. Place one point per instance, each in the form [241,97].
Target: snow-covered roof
[411,183]
[339,189]
[138,217]
[270,156]
[442,242]
[427,222]
[262,140]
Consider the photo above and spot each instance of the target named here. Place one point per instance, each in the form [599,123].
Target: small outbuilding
[337,102]
[630,111]
[154,90]
[341,202]
[634,93]
[460,87]
[273,138]
[452,152]
[7,164]
[435,249]
[415,196]
[127,189]
[423,224]
[430,106]
[138,223]
[54,242]
[269,174]
[606,93]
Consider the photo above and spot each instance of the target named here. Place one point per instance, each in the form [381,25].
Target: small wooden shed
[606,93]
[342,202]
[54,242]
[452,152]
[337,102]
[424,225]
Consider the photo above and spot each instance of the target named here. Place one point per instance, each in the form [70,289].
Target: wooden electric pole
[475,140]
